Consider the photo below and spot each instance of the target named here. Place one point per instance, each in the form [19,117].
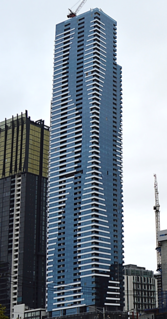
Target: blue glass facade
[85,215]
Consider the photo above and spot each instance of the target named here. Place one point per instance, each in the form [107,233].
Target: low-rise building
[140,288]
[22,312]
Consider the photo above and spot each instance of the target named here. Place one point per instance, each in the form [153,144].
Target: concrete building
[162,239]
[140,288]
[24,147]
[22,312]
[85,217]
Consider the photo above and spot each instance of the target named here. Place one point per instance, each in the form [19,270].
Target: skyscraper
[85,217]
[24,147]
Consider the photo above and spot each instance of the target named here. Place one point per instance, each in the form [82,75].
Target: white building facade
[140,288]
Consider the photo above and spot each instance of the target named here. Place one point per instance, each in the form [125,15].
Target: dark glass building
[24,147]
[85,217]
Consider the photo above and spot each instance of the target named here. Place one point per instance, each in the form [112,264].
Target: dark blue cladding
[85,217]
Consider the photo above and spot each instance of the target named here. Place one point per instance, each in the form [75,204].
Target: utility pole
[104,314]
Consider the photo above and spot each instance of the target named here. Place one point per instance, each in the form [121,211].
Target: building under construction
[24,147]
[162,238]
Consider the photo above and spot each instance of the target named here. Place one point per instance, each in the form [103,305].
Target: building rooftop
[134,270]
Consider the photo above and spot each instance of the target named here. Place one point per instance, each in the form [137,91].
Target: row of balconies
[142,287]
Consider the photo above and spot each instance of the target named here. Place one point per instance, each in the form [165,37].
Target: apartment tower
[85,203]
[24,148]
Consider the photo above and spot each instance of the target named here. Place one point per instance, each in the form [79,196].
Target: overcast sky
[26,64]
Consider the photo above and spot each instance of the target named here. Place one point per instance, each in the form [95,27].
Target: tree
[2,312]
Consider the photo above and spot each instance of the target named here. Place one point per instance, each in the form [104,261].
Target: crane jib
[73,14]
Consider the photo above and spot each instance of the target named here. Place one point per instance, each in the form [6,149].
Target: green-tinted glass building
[24,147]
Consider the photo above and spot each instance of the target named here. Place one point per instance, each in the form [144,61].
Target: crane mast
[73,14]
[157,221]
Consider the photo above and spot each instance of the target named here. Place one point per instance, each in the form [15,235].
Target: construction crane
[73,14]
[157,221]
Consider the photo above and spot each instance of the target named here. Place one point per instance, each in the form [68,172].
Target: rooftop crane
[73,14]
[157,221]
